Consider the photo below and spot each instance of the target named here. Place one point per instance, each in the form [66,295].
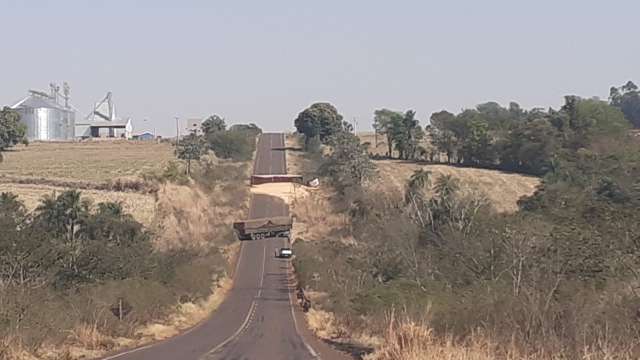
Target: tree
[191,148]
[414,192]
[446,186]
[12,131]
[24,253]
[384,122]
[234,145]
[64,217]
[320,120]
[406,135]
[348,164]
[444,139]
[476,146]
[627,99]
[213,124]
[530,147]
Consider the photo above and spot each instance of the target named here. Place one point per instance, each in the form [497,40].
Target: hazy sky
[264,61]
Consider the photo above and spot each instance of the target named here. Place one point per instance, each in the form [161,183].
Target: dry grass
[12,349]
[141,206]
[94,167]
[188,314]
[410,340]
[190,218]
[315,220]
[369,137]
[311,207]
[88,161]
[324,324]
[501,189]
[294,158]
[89,337]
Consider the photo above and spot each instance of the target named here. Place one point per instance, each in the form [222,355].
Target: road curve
[257,320]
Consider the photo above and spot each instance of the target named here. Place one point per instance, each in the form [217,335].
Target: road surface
[258,319]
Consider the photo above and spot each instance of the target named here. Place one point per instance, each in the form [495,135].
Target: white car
[284,253]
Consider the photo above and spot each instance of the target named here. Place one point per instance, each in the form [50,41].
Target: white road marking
[264,261]
[235,335]
[132,351]
[293,315]
[250,314]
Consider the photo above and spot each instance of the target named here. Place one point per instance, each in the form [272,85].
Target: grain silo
[45,117]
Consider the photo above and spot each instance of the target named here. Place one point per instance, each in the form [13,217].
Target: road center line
[264,262]
[250,313]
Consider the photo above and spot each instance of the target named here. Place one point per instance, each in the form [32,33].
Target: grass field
[503,190]
[373,140]
[86,161]
[33,171]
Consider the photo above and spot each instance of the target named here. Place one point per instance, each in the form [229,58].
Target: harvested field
[501,189]
[141,206]
[370,137]
[381,141]
[101,170]
[93,161]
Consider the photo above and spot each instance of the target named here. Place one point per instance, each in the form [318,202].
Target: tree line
[236,143]
[489,135]
[66,242]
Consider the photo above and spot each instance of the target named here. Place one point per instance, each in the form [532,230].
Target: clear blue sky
[264,61]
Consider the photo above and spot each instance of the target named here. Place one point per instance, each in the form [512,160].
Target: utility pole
[355,126]
[177,135]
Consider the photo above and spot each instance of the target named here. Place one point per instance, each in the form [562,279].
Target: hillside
[316,218]
[501,189]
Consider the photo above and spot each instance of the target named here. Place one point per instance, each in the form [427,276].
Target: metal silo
[45,118]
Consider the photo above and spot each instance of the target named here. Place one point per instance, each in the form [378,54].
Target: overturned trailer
[279,226]
[266,179]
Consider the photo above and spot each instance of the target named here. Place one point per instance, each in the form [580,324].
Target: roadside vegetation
[432,271]
[80,277]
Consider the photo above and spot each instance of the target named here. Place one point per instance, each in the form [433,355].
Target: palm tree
[64,215]
[417,182]
[446,185]
[414,193]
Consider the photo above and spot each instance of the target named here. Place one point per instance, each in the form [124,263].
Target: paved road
[257,320]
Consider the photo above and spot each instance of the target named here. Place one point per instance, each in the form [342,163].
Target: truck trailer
[279,226]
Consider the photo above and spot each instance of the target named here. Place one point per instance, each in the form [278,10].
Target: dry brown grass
[88,337]
[96,168]
[315,219]
[294,158]
[190,218]
[410,340]
[324,324]
[311,207]
[369,137]
[501,189]
[88,161]
[12,349]
[187,315]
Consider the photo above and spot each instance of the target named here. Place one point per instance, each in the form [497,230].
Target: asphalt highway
[259,319]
